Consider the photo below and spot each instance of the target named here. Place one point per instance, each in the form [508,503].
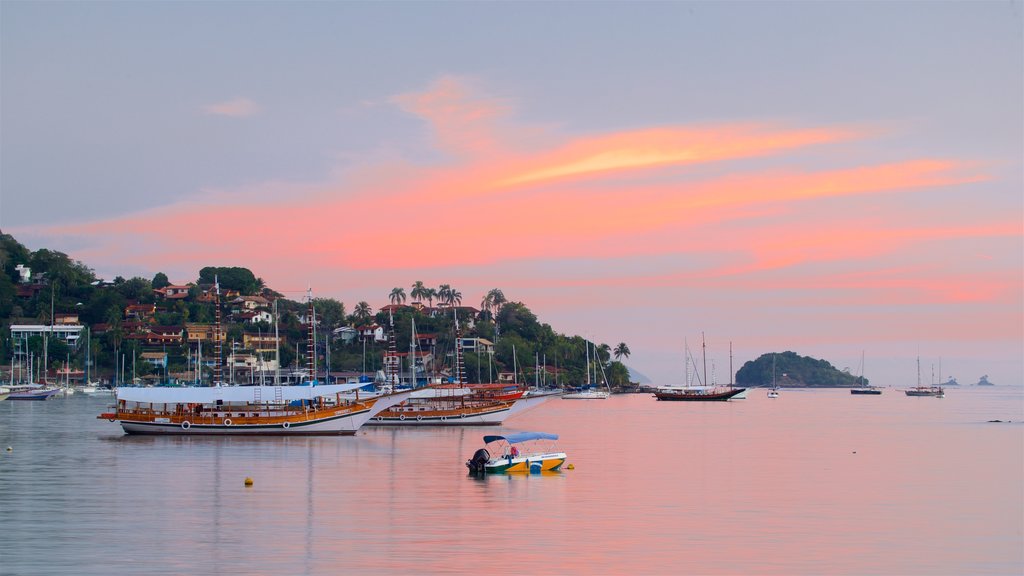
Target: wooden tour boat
[247,410]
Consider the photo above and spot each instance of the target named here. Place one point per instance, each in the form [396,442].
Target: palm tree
[430,294]
[418,291]
[444,293]
[497,298]
[397,295]
[363,311]
[621,350]
[486,303]
[455,297]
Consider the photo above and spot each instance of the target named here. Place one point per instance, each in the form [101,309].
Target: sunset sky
[822,177]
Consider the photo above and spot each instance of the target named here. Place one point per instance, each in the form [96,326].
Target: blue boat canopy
[521,437]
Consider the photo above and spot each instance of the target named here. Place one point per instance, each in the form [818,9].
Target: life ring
[419,418]
[380,418]
[401,416]
[112,419]
[286,425]
[185,425]
[463,415]
[444,418]
[227,421]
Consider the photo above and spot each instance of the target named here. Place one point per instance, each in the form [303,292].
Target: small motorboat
[530,452]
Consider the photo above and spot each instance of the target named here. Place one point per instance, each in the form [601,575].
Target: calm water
[815,482]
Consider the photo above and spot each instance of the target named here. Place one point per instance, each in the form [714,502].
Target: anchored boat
[247,410]
[456,406]
[531,452]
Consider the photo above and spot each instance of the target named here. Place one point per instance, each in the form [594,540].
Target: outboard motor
[477,463]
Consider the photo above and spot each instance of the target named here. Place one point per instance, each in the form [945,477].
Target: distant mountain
[793,370]
[637,377]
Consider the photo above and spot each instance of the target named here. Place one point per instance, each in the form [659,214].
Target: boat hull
[923,392]
[589,395]
[33,394]
[683,396]
[338,421]
[486,415]
[865,392]
[526,464]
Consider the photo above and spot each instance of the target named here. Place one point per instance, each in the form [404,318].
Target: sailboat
[862,389]
[588,392]
[701,393]
[774,392]
[919,390]
[37,390]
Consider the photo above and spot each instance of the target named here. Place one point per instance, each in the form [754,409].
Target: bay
[814,482]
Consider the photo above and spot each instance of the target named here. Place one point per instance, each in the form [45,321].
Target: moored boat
[696,393]
[919,390]
[861,389]
[247,410]
[531,452]
[701,392]
[586,394]
[32,392]
[455,407]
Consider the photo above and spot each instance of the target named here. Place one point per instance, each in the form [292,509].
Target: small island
[794,371]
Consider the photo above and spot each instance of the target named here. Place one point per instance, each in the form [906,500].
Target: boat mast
[310,338]
[216,333]
[588,361]
[459,367]
[412,356]
[392,356]
[704,355]
[277,348]
[730,364]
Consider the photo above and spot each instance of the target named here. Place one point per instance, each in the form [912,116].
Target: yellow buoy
[248,481]
[571,467]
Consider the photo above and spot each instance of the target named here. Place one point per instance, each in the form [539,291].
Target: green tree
[231,278]
[443,293]
[329,312]
[621,350]
[160,281]
[418,292]
[363,311]
[397,295]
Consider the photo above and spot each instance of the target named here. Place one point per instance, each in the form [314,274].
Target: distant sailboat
[774,392]
[919,390]
[862,389]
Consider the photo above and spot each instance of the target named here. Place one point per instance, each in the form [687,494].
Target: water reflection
[812,482]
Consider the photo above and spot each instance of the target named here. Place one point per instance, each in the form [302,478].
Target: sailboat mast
[730,364]
[277,348]
[588,362]
[310,335]
[704,356]
[216,334]
[412,356]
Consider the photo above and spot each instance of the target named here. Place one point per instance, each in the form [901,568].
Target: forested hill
[793,370]
[158,323]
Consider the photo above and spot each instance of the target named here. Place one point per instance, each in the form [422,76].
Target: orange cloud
[665,147]
[238,108]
